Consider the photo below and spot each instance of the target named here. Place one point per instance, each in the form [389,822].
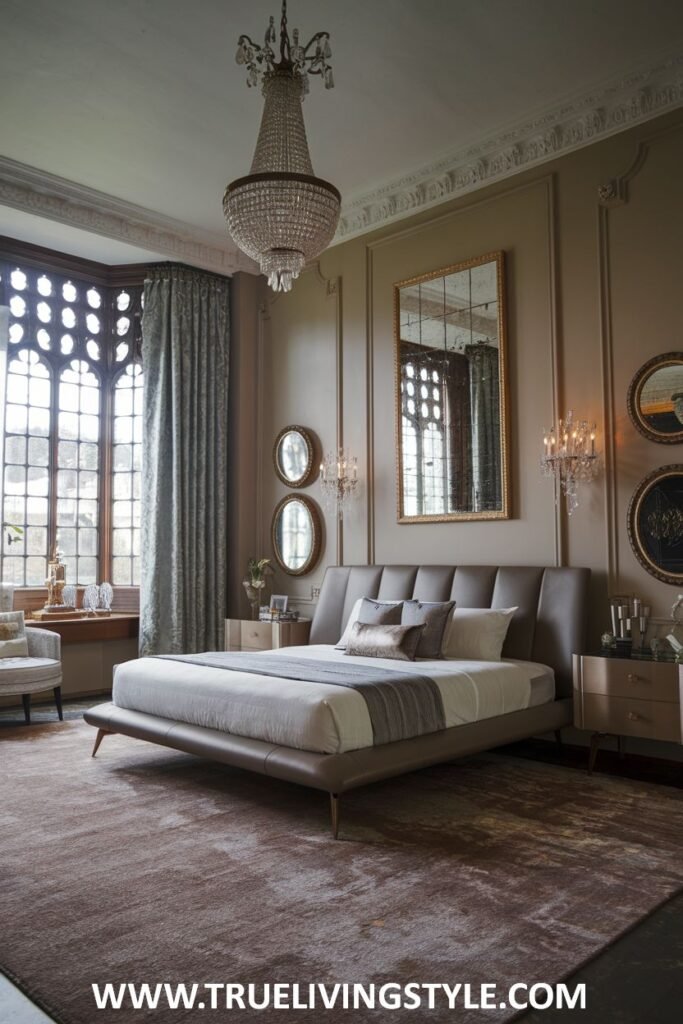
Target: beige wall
[593,291]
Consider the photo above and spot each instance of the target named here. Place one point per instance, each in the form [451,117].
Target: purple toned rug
[146,865]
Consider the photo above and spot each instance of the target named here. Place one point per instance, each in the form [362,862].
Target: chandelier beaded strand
[280,214]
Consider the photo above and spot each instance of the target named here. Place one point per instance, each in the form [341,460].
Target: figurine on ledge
[55,583]
[55,608]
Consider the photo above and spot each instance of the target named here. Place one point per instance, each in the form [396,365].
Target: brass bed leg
[101,733]
[334,812]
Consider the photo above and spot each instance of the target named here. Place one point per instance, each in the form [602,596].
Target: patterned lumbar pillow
[399,643]
[434,615]
[12,635]
[373,613]
[477,634]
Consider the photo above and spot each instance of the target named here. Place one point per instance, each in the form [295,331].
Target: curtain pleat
[185,353]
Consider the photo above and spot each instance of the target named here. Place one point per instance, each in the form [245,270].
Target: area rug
[147,865]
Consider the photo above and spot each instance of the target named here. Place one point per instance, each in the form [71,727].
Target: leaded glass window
[72,425]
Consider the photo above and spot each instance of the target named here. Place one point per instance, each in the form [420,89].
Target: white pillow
[477,634]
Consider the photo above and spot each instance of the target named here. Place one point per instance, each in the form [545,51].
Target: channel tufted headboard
[549,626]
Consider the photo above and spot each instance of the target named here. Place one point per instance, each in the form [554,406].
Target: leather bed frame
[549,627]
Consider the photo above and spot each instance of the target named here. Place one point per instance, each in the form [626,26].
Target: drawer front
[256,636]
[654,720]
[642,680]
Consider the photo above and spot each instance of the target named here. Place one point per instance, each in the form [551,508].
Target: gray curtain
[185,345]
[485,399]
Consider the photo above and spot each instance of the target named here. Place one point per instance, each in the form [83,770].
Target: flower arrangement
[257,569]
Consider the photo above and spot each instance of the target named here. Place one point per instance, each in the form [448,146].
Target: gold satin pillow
[9,630]
[399,643]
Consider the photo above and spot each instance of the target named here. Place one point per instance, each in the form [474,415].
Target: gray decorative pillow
[373,613]
[371,641]
[434,615]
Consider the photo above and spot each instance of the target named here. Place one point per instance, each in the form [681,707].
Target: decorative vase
[254,596]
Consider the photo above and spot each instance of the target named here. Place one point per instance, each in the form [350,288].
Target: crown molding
[630,101]
[46,195]
[579,122]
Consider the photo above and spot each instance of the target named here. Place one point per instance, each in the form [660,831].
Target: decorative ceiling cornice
[46,195]
[639,97]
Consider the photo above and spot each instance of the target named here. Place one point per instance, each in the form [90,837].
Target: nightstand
[626,697]
[250,635]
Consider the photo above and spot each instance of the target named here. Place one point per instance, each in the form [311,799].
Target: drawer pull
[633,717]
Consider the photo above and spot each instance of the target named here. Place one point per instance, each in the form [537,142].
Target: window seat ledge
[117,626]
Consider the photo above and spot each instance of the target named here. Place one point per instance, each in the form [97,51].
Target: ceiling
[141,102]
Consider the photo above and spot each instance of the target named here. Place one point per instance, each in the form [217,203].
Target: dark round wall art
[655,524]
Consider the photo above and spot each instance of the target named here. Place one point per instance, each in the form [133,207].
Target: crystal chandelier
[280,214]
[569,456]
[338,480]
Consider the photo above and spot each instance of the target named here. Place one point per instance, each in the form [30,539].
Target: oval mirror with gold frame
[294,456]
[296,534]
[655,399]
[655,524]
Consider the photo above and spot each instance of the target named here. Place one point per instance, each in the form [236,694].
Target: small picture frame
[278,602]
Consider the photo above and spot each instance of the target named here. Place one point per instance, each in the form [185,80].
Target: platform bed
[548,628]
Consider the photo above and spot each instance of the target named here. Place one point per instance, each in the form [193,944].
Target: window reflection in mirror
[293,456]
[296,534]
[451,393]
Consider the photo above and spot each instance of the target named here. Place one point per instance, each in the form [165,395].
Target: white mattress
[319,717]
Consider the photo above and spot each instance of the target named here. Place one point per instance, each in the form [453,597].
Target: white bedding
[319,717]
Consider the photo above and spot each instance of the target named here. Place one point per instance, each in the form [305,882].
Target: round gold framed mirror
[296,534]
[655,399]
[293,456]
[655,524]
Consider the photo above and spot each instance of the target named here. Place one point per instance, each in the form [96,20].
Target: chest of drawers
[249,635]
[626,697]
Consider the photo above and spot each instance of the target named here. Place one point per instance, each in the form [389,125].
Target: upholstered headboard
[549,626]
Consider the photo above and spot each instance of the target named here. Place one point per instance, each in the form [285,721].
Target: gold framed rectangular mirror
[452,393]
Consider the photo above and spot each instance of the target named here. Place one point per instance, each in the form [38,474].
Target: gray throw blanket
[401,704]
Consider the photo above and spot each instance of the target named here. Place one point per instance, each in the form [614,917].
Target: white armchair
[42,670]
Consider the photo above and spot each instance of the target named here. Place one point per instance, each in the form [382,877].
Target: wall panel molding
[547,183]
[612,195]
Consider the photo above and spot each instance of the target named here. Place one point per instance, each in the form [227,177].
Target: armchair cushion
[28,675]
[12,635]
[14,619]
[15,648]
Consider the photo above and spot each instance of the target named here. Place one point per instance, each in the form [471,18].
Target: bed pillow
[372,613]
[13,643]
[477,634]
[380,641]
[434,616]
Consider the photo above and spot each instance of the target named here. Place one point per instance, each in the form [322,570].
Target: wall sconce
[569,456]
[338,480]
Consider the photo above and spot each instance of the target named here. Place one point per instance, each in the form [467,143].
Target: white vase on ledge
[6,597]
